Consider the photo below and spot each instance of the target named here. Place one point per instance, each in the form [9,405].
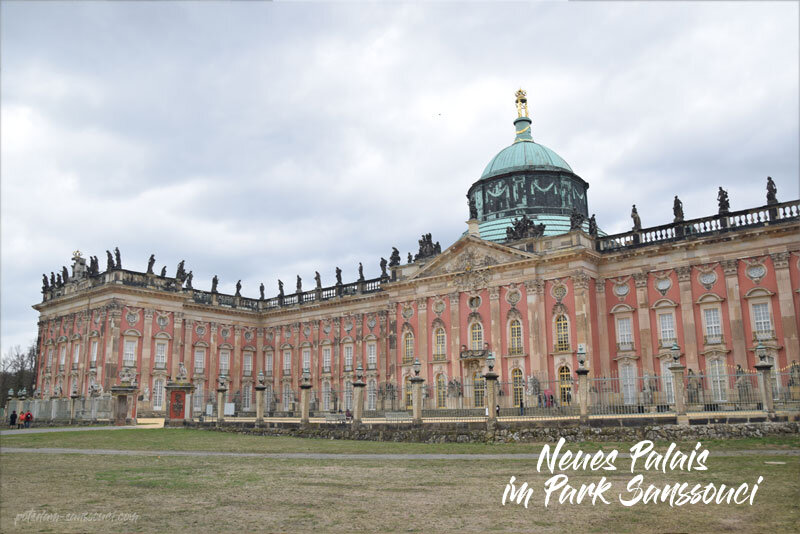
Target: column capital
[454,298]
[580,280]
[600,285]
[684,273]
[780,260]
[640,279]
[535,286]
[148,313]
[730,267]
[494,292]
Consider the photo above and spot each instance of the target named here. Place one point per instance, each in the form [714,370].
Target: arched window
[326,396]
[408,348]
[515,341]
[476,336]
[479,385]
[565,384]
[158,394]
[441,391]
[372,394]
[518,382]
[562,333]
[440,342]
[409,397]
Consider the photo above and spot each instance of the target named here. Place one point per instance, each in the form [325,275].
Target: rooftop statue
[59,282]
[164,272]
[280,288]
[180,274]
[360,272]
[427,248]
[523,228]
[473,210]
[637,222]
[338,276]
[189,280]
[52,279]
[592,226]
[522,103]
[118,258]
[772,191]
[394,259]
[261,291]
[722,200]
[677,209]
[318,280]
[109,261]
[150,263]
[214,283]
[409,258]
[575,220]
[45,283]
[64,274]
[239,288]
[299,284]
[384,274]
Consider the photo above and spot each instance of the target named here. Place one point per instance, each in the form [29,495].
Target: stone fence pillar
[73,399]
[358,405]
[583,393]
[491,395]
[221,404]
[765,385]
[305,389]
[679,391]
[260,389]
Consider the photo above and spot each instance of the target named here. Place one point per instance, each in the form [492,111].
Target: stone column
[221,404]
[583,318]
[455,341]
[602,326]
[583,393]
[764,369]
[260,389]
[541,327]
[422,334]
[305,389]
[679,391]
[188,357]
[358,404]
[785,302]
[491,395]
[112,347]
[73,397]
[416,398]
[687,317]
[731,270]
[147,342]
[177,345]
[236,360]
[643,313]
[212,367]
[496,329]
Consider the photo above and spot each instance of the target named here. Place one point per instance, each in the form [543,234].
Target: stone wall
[512,432]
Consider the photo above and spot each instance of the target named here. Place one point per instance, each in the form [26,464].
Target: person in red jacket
[28,419]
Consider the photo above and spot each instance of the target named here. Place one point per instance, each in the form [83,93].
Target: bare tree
[18,370]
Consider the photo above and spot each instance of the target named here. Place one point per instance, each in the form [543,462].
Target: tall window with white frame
[49,358]
[348,395]
[247,363]
[479,389]
[199,360]
[762,322]
[713,326]
[717,377]
[348,357]
[62,356]
[247,396]
[197,400]
[76,356]
[666,324]
[306,360]
[326,396]
[93,353]
[287,361]
[129,354]
[408,348]
[476,336]
[441,391]
[440,344]
[666,380]
[224,362]
[268,363]
[161,355]
[158,394]
[372,355]
[624,334]
[326,360]
[515,337]
[287,397]
[627,377]
[372,394]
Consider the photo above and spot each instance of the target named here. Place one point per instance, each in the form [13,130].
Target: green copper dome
[524,154]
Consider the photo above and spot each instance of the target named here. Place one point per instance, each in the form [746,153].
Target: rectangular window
[199,360]
[197,401]
[624,333]
[247,394]
[94,351]
[287,361]
[326,359]
[666,377]
[268,363]
[716,372]
[76,354]
[713,326]
[348,396]
[247,363]
[666,323]
[161,355]
[49,357]
[224,362]
[62,358]
[348,357]
[762,322]
[627,375]
[372,356]
[129,355]
[306,360]
[158,394]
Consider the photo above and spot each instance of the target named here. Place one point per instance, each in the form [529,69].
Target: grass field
[214,494]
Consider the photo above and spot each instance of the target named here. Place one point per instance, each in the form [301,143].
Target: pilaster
[780,261]
[687,317]
[602,324]
[643,313]
[731,270]
[495,325]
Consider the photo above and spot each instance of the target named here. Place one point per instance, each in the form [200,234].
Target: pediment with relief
[469,258]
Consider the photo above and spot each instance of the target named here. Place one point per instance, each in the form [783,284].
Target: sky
[260,141]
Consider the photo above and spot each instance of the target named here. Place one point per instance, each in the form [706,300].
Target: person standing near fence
[521,407]
[28,419]
[497,410]
[12,419]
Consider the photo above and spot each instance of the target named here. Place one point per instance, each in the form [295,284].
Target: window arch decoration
[162,335]
[226,346]
[131,332]
[708,298]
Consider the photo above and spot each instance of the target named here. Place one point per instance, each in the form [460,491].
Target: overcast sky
[262,140]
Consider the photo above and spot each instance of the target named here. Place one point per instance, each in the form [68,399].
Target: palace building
[532,282]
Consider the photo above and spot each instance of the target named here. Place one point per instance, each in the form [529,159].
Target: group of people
[22,420]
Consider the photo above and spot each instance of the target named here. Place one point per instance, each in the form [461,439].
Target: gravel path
[343,456]
[45,430]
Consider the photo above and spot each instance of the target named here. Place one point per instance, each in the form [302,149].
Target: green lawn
[204,440]
[219,494]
